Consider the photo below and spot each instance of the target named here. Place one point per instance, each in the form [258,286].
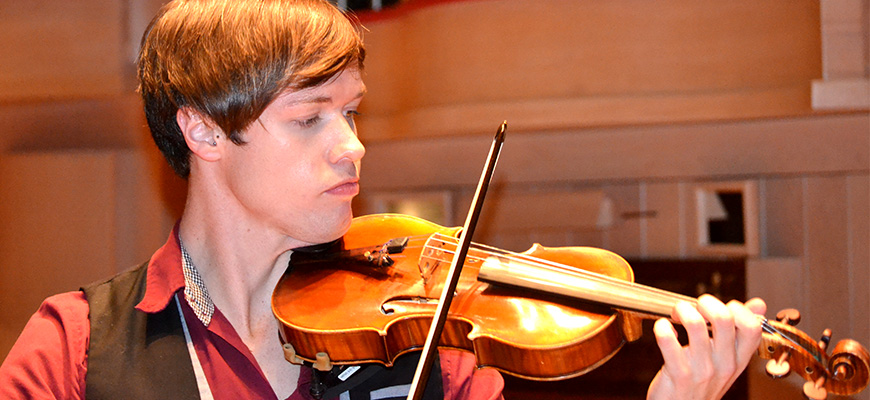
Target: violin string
[589,275]
[810,348]
[547,264]
[765,324]
[769,328]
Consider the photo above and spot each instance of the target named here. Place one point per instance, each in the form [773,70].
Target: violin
[544,314]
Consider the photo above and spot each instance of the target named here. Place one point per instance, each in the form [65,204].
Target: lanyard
[201,381]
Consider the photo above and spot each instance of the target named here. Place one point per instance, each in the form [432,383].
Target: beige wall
[82,193]
[563,63]
[618,111]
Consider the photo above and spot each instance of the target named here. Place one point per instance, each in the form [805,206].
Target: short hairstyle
[229,59]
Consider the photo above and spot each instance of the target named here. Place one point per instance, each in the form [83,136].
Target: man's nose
[348,145]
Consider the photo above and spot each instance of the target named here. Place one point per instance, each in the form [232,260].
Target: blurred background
[721,147]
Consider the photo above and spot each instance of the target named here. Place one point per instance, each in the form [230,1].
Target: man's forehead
[338,85]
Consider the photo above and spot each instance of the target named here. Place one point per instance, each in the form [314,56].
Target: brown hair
[229,59]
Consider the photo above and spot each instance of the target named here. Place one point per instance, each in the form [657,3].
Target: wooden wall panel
[560,63]
[834,143]
[56,228]
[666,231]
[116,122]
[623,237]
[62,49]
[845,38]
[550,217]
[562,113]
[546,209]
[149,200]
[826,255]
[845,28]
[783,205]
[68,218]
[489,50]
[858,203]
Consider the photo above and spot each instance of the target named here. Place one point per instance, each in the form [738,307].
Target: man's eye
[307,123]
[349,117]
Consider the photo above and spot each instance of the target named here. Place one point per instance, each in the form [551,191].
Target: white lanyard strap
[201,381]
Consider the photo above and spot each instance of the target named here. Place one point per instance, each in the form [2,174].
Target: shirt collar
[195,291]
[169,271]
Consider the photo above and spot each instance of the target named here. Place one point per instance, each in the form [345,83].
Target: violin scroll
[849,367]
[844,372]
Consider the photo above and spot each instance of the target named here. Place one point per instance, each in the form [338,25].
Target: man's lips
[349,187]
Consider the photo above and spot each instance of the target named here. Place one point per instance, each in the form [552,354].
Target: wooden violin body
[356,312]
[370,297]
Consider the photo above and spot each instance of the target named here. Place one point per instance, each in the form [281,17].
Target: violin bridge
[432,258]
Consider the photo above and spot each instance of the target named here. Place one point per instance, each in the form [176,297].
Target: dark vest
[131,354]
[136,355]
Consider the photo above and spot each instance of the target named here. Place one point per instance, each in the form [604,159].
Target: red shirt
[49,359]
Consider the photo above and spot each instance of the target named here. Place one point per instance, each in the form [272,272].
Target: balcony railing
[365,5]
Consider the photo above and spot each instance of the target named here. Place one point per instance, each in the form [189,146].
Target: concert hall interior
[722,141]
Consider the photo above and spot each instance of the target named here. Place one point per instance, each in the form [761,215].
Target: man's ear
[202,137]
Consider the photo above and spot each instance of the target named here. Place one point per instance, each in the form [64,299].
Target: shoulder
[49,359]
[463,380]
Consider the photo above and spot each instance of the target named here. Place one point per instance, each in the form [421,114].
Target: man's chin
[336,227]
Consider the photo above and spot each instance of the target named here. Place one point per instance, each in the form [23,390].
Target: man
[253,102]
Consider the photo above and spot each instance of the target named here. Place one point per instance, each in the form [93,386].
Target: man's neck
[240,264]
[239,261]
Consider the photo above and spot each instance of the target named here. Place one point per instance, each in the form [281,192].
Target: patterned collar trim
[195,291]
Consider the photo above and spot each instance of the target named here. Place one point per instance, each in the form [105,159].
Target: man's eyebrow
[319,99]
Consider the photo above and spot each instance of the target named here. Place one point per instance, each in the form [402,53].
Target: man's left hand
[708,365]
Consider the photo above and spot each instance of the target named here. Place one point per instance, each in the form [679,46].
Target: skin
[248,206]
[291,185]
[707,366]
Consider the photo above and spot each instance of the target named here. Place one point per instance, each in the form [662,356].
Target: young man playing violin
[253,102]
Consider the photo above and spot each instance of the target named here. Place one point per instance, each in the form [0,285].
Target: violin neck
[581,284]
